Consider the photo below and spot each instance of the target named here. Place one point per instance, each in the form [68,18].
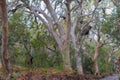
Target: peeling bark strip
[5,56]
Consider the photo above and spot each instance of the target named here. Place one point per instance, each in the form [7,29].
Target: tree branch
[68,19]
[51,10]
[73,32]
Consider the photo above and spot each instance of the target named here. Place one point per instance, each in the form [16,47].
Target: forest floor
[51,74]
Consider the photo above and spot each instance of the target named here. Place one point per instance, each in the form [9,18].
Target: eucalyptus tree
[81,27]
[104,30]
[61,19]
[48,15]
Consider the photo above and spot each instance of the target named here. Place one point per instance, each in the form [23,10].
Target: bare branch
[40,11]
[52,12]
[91,17]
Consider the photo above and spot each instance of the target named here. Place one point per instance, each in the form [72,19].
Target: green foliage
[46,60]
[90,47]
[118,53]
[17,26]
[103,60]
[13,76]
[87,65]
[40,60]
[110,27]
[22,38]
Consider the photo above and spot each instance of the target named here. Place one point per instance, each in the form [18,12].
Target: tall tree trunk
[97,72]
[66,56]
[76,47]
[5,55]
[66,40]
[78,62]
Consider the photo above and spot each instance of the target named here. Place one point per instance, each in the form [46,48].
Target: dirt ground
[50,74]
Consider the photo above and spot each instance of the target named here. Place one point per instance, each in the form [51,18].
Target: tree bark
[76,47]
[97,72]
[66,42]
[5,55]
[66,57]
[78,62]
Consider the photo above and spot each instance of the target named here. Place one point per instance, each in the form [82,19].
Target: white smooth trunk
[75,44]
[78,62]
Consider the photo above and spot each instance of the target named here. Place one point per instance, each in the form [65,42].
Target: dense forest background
[77,36]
